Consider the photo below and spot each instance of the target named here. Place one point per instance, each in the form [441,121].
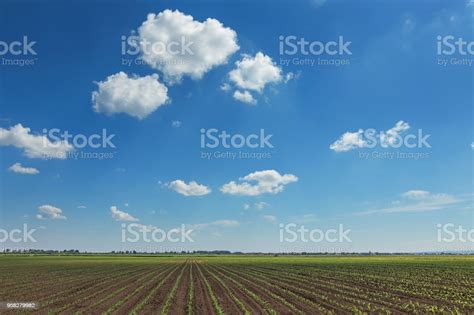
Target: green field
[239,284]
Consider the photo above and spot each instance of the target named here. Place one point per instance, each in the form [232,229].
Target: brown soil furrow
[393,301]
[302,303]
[60,293]
[180,302]
[202,302]
[230,303]
[157,301]
[259,293]
[42,296]
[315,285]
[250,304]
[126,292]
[85,301]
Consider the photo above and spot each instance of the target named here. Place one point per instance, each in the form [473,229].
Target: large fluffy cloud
[191,189]
[257,183]
[135,96]
[253,73]
[120,215]
[18,168]
[34,146]
[50,212]
[177,45]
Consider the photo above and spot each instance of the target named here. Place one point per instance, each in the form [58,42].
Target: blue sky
[320,172]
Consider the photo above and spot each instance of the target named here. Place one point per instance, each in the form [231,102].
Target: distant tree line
[215,252]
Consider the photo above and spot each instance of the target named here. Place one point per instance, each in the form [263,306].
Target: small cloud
[349,141]
[225,87]
[218,223]
[416,194]
[270,218]
[353,140]
[34,146]
[81,207]
[246,206]
[260,182]
[421,201]
[50,212]
[176,123]
[306,218]
[244,97]
[119,215]
[18,168]
[189,189]
[260,205]
[254,73]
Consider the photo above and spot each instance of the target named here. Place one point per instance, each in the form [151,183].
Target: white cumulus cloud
[177,45]
[254,73]
[244,97]
[349,141]
[18,168]
[260,182]
[392,135]
[354,140]
[120,215]
[189,189]
[135,96]
[50,212]
[34,146]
